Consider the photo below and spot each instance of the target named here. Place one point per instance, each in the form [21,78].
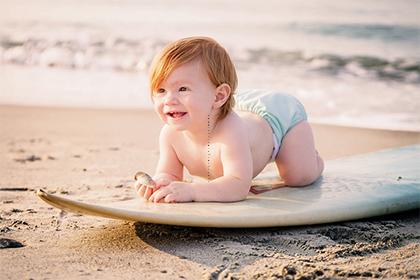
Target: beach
[92,154]
[76,120]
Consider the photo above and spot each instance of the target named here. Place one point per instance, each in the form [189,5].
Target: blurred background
[353,63]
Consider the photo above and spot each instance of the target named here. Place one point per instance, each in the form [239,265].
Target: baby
[223,138]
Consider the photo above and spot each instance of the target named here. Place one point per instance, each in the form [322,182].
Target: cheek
[157,106]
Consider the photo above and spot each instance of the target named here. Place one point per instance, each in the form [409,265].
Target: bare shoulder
[167,133]
[235,147]
[232,127]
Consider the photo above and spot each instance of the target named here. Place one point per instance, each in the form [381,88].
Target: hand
[146,191]
[174,192]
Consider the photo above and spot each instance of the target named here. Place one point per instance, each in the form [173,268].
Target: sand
[93,154]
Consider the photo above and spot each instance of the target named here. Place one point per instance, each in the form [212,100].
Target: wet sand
[93,154]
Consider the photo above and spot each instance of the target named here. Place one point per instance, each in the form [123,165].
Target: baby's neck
[197,137]
[202,135]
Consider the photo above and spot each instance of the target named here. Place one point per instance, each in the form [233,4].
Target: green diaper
[280,110]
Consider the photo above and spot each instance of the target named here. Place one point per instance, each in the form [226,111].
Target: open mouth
[176,115]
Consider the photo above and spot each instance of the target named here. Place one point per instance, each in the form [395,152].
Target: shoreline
[332,140]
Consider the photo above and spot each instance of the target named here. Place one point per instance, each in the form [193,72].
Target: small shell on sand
[145,179]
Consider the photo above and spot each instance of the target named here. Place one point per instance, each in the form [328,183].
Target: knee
[299,179]
[301,173]
[321,165]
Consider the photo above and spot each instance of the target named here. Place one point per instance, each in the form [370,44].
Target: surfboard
[355,187]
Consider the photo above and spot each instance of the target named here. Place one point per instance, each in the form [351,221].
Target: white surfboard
[351,188]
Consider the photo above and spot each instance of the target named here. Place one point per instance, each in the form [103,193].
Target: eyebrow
[181,82]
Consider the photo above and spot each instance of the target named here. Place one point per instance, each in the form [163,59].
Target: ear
[222,94]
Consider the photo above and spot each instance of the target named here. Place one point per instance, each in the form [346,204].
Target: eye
[159,92]
[183,89]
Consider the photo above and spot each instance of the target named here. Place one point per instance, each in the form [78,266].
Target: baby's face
[185,99]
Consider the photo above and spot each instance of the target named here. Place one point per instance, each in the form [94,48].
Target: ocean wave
[111,53]
[364,66]
[383,32]
[122,54]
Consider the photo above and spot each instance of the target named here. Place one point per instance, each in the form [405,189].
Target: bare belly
[260,138]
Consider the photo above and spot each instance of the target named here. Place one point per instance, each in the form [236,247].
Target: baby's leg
[297,161]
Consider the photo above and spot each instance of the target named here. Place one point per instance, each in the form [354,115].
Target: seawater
[349,62]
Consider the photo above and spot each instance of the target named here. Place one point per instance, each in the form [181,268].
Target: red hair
[214,58]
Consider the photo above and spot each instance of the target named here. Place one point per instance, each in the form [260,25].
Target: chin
[180,124]
[176,126]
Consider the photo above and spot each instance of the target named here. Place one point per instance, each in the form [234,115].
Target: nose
[171,98]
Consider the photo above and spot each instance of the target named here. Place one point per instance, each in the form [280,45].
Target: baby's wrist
[195,191]
[164,179]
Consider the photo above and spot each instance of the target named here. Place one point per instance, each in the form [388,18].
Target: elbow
[226,190]
[240,197]
[234,198]
[240,191]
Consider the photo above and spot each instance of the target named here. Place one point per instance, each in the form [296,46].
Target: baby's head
[212,56]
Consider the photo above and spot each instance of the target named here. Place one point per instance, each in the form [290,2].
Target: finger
[151,186]
[156,197]
[170,198]
[141,190]
[155,188]
[152,197]
[148,193]
[137,185]
[160,194]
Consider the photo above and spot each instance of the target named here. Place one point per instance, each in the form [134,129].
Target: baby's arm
[169,167]
[232,186]
[237,168]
